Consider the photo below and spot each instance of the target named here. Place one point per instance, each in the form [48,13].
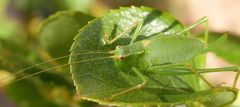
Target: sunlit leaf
[58,30]
[222,97]
[98,80]
[80,5]
[229,49]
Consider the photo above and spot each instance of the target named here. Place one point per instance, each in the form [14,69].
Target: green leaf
[97,80]
[236,103]
[28,8]
[228,49]
[216,43]
[81,5]
[85,103]
[58,30]
[221,97]
[8,27]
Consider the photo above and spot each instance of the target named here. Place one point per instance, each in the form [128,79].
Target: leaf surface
[228,49]
[58,30]
[98,79]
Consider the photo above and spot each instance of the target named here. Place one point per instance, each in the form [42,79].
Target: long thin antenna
[51,60]
[76,62]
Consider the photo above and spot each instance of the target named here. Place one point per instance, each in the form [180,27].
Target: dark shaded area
[4,101]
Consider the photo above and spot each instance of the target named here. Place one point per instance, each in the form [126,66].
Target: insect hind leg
[139,86]
[236,78]
[199,75]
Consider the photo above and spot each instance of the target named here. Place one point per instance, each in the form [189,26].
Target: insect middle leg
[139,86]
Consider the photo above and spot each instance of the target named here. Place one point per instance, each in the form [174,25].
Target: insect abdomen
[171,49]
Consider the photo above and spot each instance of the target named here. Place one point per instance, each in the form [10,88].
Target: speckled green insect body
[157,51]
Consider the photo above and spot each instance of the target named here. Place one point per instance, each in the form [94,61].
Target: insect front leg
[134,37]
[121,34]
[199,75]
[139,86]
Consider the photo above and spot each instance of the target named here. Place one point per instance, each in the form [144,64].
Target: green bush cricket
[156,54]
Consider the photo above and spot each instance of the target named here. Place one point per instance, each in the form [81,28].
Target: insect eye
[121,57]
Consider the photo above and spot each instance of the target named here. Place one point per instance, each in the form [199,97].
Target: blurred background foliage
[21,45]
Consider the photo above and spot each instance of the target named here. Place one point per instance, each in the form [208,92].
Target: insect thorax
[127,56]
